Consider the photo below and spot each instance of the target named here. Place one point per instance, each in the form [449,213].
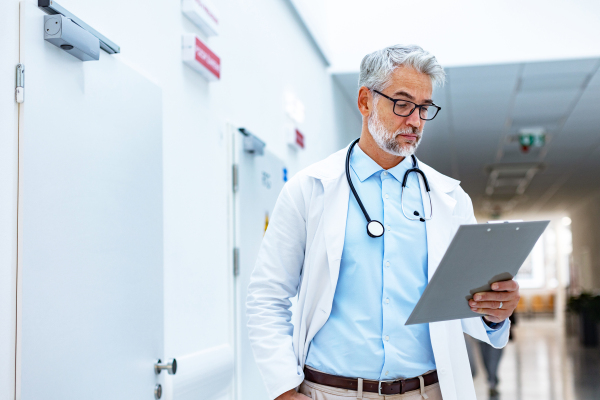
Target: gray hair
[376,68]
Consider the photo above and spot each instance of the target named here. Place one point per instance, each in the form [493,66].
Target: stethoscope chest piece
[375,228]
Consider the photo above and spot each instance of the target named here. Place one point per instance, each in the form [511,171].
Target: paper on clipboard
[478,256]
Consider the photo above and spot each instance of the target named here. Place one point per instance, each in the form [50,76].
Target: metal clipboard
[478,256]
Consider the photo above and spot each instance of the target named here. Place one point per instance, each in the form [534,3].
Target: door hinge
[20,85]
[235,177]
[236,261]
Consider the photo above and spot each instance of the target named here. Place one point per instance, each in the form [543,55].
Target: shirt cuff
[498,336]
[492,326]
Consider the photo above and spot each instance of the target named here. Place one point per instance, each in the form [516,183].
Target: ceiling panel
[579,66]
[595,81]
[542,83]
[544,105]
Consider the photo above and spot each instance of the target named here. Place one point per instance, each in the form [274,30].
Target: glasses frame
[420,106]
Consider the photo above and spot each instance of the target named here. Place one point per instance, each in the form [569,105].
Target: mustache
[409,131]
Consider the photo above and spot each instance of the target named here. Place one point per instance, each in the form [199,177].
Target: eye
[402,105]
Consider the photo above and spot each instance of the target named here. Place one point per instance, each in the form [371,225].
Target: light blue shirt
[380,281]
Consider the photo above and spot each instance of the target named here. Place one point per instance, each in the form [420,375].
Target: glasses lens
[429,112]
[403,108]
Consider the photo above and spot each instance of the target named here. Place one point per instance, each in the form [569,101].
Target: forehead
[409,80]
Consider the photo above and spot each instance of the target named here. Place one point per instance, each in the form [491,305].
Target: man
[356,289]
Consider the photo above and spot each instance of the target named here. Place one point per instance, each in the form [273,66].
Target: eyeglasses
[404,108]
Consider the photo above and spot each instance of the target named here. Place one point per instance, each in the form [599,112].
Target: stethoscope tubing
[360,204]
[415,168]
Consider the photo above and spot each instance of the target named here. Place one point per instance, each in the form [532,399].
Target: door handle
[170,366]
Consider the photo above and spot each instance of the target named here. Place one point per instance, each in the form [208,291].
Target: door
[260,178]
[90,247]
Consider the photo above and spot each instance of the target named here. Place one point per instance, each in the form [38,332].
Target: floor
[542,363]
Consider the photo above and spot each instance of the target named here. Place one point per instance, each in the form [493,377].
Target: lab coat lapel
[439,227]
[439,231]
[335,211]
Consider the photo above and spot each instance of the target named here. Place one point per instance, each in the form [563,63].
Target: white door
[90,317]
[260,178]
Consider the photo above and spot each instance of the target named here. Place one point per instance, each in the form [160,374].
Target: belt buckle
[380,382]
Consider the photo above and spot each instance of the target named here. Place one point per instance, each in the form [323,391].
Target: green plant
[586,304]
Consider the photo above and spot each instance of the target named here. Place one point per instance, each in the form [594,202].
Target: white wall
[265,51]
[9,57]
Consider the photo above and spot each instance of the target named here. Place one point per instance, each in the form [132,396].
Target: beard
[386,140]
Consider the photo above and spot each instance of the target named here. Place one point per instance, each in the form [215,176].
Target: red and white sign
[203,14]
[299,138]
[198,56]
[295,138]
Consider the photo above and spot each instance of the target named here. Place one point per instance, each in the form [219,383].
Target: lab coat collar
[333,167]
[364,166]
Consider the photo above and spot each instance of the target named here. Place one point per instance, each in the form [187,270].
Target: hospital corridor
[299,199]
[543,363]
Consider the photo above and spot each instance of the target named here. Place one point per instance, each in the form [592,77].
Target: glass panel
[403,108]
[428,112]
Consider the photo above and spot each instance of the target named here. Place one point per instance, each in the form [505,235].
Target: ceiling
[474,138]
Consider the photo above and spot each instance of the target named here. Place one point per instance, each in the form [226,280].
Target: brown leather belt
[381,387]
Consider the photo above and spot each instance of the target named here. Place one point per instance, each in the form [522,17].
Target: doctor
[355,289]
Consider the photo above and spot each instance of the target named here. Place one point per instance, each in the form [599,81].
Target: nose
[413,119]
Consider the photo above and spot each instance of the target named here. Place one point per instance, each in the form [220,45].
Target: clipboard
[478,256]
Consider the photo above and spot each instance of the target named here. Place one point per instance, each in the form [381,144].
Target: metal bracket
[235,172]
[252,144]
[236,261]
[20,84]
[51,7]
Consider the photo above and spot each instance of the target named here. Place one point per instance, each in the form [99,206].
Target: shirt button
[387,196]
[387,301]
[387,338]
[387,263]
[389,228]
[387,372]
[385,172]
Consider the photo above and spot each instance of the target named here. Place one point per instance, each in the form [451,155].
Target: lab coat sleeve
[476,327]
[273,282]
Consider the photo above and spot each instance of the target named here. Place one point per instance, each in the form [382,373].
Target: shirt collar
[364,166]
[399,170]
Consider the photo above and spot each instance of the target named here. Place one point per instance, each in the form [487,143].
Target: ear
[365,101]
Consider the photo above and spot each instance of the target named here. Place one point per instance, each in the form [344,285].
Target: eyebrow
[410,97]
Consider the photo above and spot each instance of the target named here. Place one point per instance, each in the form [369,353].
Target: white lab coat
[300,255]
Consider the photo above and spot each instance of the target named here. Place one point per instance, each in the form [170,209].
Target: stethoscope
[374,227]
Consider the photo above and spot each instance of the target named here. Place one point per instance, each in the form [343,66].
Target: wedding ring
[500,306]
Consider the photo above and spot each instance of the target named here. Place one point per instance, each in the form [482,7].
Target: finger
[497,315]
[495,296]
[486,304]
[509,286]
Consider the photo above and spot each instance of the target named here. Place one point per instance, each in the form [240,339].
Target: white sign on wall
[203,14]
[198,56]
